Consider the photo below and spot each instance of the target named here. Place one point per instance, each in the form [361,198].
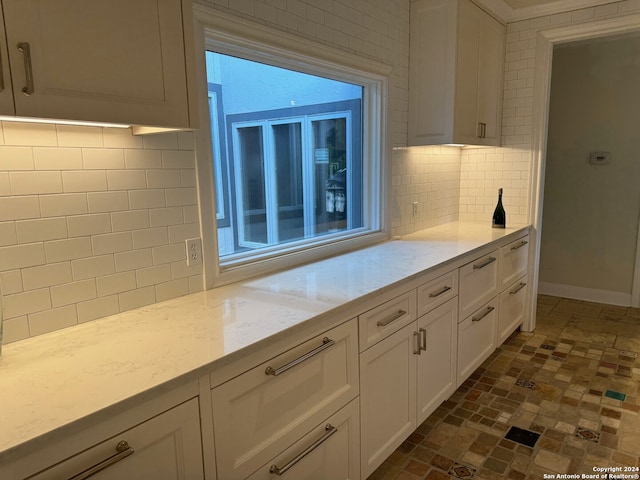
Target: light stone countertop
[55,379]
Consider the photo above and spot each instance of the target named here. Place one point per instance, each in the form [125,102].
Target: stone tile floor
[572,387]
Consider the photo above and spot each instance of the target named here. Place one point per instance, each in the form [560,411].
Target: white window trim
[234,36]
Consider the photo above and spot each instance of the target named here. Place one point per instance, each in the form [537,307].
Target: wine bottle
[499,215]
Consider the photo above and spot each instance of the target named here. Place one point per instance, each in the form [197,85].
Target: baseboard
[583,293]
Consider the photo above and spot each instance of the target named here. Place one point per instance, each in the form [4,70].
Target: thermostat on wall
[600,158]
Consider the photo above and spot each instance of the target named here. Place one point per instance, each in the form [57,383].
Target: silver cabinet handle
[518,288]
[484,130]
[488,261]
[417,349]
[444,289]
[423,339]
[329,430]
[479,130]
[326,343]
[24,48]
[486,312]
[1,73]
[123,450]
[393,318]
[520,245]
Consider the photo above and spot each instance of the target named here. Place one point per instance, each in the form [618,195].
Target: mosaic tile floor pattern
[571,389]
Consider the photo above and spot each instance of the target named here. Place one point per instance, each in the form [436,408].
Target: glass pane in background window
[252,174]
[287,139]
[330,186]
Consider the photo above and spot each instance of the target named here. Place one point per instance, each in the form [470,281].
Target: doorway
[545,43]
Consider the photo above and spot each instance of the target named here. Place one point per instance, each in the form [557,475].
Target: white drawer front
[382,321]
[329,451]
[258,414]
[514,260]
[166,447]
[436,292]
[478,283]
[512,308]
[476,339]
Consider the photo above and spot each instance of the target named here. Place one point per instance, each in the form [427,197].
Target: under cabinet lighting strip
[60,122]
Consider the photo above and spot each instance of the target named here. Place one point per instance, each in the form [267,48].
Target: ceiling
[515,10]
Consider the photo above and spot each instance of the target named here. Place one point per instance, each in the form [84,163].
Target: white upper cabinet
[118,61]
[455,74]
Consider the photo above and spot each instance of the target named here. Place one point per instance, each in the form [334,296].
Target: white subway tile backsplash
[137,298]
[92,267]
[18,208]
[15,329]
[182,270]
[151,237]
[144,159]
[5,186]
[8,234]
[161,217]
[71,293]
[102,159]
[172,289]
[67,249]
[28,302]
[120,138]
[16,158]
[164,178]
[11,281]
[79,136]
[51,320]
[31,134]
[85,225]
[181,196]
[168,254]
[163,141]
[57,158]
[22,256]
[150,198]
[186,141]
[41,229]
[191,214]
[63,204]
[130,220]
[84,181]
[133,260]
[100,202]
[34,278]
[97,308]
[180,233]
[126,179]
[111,243]
[188,177]
[178,159]
[153,275]
[116,283]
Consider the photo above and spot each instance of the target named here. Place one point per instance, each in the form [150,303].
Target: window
[296,147]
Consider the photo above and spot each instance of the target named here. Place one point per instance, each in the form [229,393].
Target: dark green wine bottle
[499,216]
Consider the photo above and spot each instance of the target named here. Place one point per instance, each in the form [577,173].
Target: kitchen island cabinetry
[166,446]
[118,61]
[455,76]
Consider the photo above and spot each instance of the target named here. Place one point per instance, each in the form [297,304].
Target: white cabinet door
[388,396]
[476,339]
[512,308]
[167,447]
[329,451]
[514,261]
[116,61]
[6,91]
[437,361]
[263,411]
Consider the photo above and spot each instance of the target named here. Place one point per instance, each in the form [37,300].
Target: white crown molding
[508,14]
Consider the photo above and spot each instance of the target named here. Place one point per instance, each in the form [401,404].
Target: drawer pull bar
[444,289]
[24,48]
[326,343]
[123,450]
[518,288]
[329,430]
[486,312]
[423,339]
[488,261]
[520,245]
[393,318]
[418,348]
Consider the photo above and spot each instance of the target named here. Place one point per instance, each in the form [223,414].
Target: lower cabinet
[268,409]
[512,308]
[476,339]
[403,379]
[166,447]
[329,451]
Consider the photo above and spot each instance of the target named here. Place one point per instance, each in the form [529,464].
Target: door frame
[545,42]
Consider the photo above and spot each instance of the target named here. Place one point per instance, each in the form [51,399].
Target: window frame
[230,35]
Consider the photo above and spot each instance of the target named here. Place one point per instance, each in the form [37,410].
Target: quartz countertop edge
[53,380]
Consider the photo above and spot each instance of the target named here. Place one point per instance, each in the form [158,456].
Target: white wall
[591,212]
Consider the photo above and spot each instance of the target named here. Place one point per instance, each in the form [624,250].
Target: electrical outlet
[194,251]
